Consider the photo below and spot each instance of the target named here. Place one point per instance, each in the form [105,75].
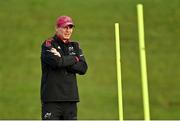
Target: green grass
[24,25]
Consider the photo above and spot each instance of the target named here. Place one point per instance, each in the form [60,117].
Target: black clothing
[58,82]
[60,110]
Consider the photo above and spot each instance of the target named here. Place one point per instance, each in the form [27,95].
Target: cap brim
[68,24]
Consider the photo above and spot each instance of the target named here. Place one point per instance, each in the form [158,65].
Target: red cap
[63,21]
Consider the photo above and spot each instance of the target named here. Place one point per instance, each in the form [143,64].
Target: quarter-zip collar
[59,39]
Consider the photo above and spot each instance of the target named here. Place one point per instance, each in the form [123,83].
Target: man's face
[64,32]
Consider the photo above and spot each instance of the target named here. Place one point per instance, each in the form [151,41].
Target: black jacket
[58,82]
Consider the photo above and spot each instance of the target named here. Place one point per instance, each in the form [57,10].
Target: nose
[68,28]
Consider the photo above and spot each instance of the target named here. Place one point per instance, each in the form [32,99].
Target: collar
[59,38]
[60,41]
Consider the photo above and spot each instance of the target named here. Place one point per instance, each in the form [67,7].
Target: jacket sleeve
[54,60]
[79,67]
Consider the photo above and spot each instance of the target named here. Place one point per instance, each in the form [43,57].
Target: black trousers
[59,111]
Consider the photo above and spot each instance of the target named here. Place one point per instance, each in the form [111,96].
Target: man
[61,60]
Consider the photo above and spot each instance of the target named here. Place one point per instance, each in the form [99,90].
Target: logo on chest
[71,50]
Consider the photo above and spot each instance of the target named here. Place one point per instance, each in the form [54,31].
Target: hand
[54,51]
